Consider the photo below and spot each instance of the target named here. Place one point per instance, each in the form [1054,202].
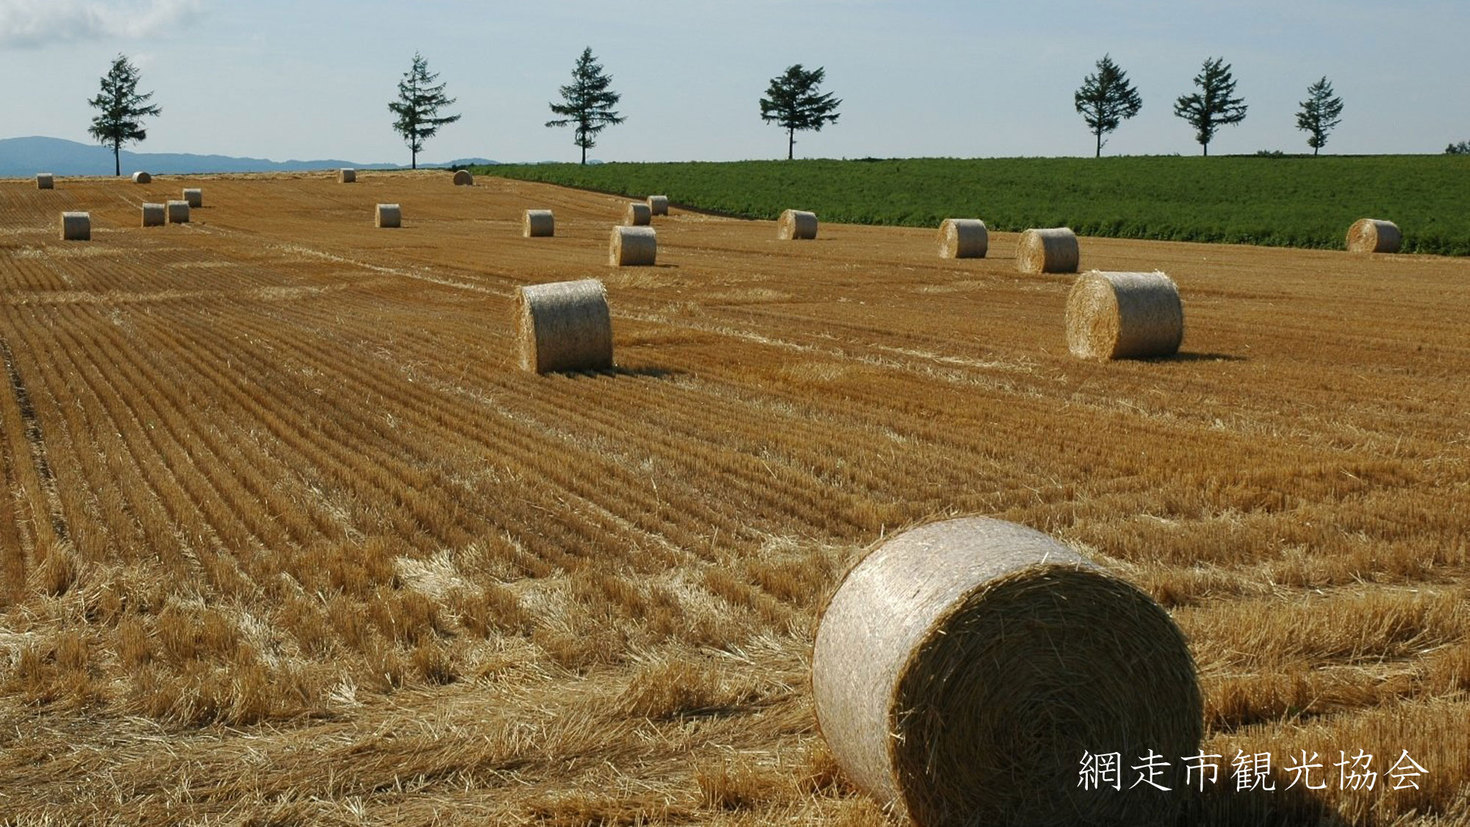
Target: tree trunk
[1206,145]
[413,155]
[1099,144]
[584,155]
[117,158]
[790,142]
[1315,149]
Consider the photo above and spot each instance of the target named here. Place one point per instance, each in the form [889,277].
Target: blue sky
[312,78]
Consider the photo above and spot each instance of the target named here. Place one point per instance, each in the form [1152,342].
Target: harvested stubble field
[289,538]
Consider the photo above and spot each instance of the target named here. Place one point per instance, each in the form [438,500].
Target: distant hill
[24,157]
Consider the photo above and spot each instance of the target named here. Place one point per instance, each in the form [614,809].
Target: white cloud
[34,23]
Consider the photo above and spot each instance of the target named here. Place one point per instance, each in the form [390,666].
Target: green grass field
[1293,201]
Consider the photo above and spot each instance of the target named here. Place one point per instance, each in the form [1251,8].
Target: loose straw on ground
[346,175]
[388,215]
[637,214]
[76,226]
[1124,316]
[963,238]
[796,224]
[538,224]
[141,177]
[178,212]
[1047,251]
[156,215]
[963,670]
[564,326]
[632,247]
[194,196]
[1373,235]
[463,178]
[658,204]
[45,181]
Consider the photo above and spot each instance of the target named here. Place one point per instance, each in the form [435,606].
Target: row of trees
[1107,98]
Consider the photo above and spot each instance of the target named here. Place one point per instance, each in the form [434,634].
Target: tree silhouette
[589,103]
[1320,113]
[122,109]
[792,101]
[1106,99]
[1212,107]
[418,105]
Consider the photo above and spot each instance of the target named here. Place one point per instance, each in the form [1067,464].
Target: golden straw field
[289,538]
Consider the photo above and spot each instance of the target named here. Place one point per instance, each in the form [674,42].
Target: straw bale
[1124,316]
[76,226]
[1373,235]
[658,204]
[963,238]
[963,668]
[346,175]
[178,212]
[195,197]
[463,178]
[538,224]
[564,326]
[156,215]
[388,215]
[637,214]
[632,247]
[1047,251]
[141,177]
[795,224]
[45,181]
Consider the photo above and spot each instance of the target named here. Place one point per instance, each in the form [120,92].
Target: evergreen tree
[588,103]
[1212,107]
[1106,99]
[418,105]
[793,102]
[1320,114]
[121,110]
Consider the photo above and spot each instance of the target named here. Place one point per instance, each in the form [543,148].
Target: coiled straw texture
[1124,316]
[1373,235]
[963,238]
[1051,250]
[564,326]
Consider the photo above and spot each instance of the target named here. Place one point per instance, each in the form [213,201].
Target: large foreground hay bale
[178,212]
[156,215]
[565,325]
[1124,315]
[794,224]
[632,247]
[963,238]
[538,224]
[463,178]
[1372,235]
[76,226]
[637,214]
[346,175]
[964,668]
[45,181]
[1048,251]
[194,196]
[658,204]
[388,215]
[141,177]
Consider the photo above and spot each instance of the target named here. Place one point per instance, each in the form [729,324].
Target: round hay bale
[76,226]
[637,214]
[195,197]
[156,215]
[1124,316]
[141,177]
[796,224]
[658,204]
[346,175]
[463,178]
[45,181]
[632,247]
[1372,235]
[563,326]
[388,215]
[538,224]
[963,669]
[178,212]
[1048,251]
[963,238]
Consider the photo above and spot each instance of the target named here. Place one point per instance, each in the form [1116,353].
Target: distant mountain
[24,157]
